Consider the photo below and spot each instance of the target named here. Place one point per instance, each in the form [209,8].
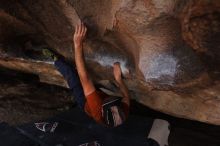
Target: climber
[108,110]
[111,111]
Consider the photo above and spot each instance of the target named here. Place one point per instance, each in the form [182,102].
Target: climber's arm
[79,35]
[121,84]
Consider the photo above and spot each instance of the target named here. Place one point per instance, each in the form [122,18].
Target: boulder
[168,50]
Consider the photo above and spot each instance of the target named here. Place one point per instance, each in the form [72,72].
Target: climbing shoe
[49,54]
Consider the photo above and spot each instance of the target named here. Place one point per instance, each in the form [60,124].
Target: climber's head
[113,111]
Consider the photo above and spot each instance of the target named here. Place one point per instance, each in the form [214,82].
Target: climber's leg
[71,76]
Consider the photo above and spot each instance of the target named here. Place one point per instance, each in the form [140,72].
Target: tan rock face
[168,50]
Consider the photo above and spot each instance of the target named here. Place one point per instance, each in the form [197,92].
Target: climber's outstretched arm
[123,88]
[79,36]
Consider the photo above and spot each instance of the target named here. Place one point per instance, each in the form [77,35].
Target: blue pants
[71,76]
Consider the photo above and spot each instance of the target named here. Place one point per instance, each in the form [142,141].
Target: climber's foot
[49,54]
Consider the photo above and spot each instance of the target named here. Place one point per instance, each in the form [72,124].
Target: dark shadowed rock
[23,98]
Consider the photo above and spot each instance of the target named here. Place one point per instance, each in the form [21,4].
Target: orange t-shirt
[93,106]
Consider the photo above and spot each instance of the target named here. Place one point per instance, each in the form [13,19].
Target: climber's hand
[79,35]
[117,72]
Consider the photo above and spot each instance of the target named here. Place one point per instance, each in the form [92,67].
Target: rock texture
[24,99]
[168,50]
